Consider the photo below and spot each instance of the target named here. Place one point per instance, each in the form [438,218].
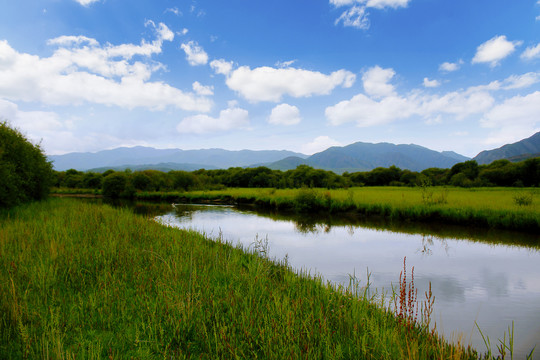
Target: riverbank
[494,208]
[91,281]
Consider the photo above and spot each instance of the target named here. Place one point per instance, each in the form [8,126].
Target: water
[476,276]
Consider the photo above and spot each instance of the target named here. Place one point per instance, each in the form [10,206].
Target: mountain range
[359,156]
[521,150]
[140,157]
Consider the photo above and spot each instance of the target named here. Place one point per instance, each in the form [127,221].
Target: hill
[521,150]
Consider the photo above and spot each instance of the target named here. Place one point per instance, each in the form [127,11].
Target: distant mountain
[521,150]
[367,156]
[355,157]
[289,163]
[455,155]
[165,167]
[139,155]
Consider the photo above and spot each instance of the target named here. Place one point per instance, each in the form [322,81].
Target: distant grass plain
[502,208]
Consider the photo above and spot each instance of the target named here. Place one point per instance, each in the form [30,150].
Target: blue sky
[300,75]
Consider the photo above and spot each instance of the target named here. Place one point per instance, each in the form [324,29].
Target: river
[478,277]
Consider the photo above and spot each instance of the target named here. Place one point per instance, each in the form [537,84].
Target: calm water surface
[473,279]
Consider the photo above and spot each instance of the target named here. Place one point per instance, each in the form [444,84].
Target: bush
[25,173]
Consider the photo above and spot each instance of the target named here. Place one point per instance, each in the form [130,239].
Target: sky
[299,75]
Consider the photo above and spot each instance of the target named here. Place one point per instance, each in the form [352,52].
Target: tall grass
[80,280]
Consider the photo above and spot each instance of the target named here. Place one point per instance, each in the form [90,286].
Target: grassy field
[502,208]
[80,280]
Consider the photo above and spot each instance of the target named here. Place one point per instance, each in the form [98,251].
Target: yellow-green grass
[483,207]
[80,280]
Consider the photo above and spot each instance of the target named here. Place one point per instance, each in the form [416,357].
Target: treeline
[25,173]
[466,174]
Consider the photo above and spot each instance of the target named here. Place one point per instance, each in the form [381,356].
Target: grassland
[498,208]
[80,280]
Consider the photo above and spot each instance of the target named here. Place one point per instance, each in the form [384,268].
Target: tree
[25,173]
[114,185]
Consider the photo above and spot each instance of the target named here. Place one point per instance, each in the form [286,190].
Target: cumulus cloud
[81,70]
[494,50]
[382,104]
[195,54]
[221,66]
[368,112]
[285,114]
[376,82]
[271,84]
[319,144]
[450,67]
[431,83]
[532,52]
[229,119]
[513,119]
[41,127]
[521,81]
[202,90]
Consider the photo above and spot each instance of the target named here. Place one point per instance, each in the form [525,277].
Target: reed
[80,280]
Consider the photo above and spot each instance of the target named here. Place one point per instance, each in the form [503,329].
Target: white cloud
[270,84]
[494,50]
[450,67]
[431,83]
[221,66]
[40,127]
[81,70]
[368,112]
[382,105]
[86,2]
[175,11]
[202,90]
[229,119]
[72,40]
[376,82]
[285,64]
[521,81]
[195,54]
[319,144]
[379,4]
[514,119]
[356,17]
[532,52]
[285,114]
[164,32]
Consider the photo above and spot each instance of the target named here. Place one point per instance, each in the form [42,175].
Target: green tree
[114,185]
[25,173]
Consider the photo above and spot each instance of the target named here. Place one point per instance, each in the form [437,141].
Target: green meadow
[500,208]
[88,281]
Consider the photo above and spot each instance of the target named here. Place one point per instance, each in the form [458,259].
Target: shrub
[25,173]
[308,200]
[523,199]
